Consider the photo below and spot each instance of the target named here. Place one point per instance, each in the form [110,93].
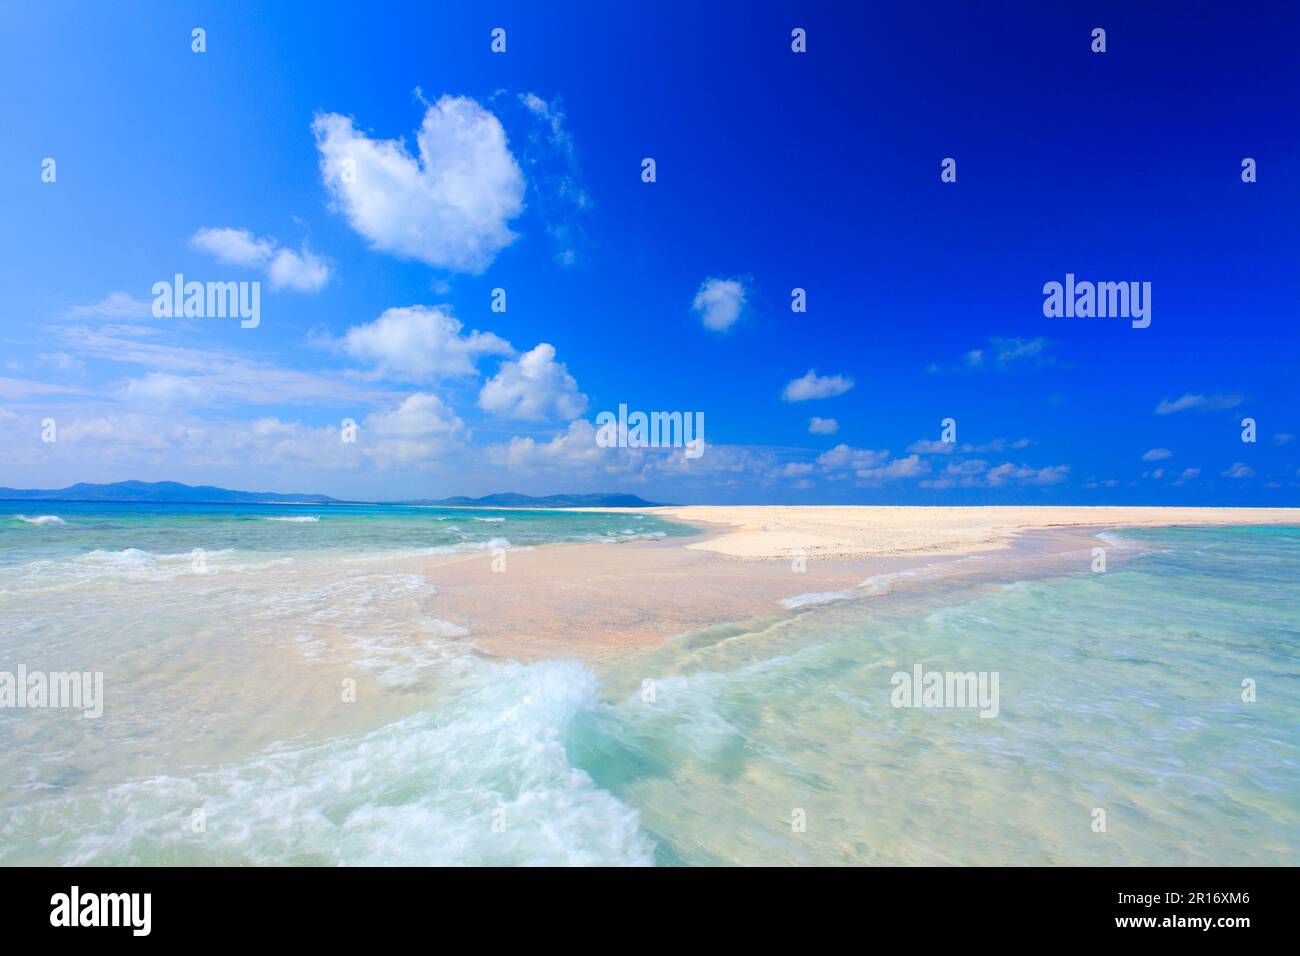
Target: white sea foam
[303,519]
[1115,541]
[491,520]
[487,545]
[40,519]
[815,597]
[481,778]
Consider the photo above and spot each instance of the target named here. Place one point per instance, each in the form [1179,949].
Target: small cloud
[1187,475]
[301,271]
[998,444]
[116,305]
[1198,401]
[1034,476]
[1157,454]
[909,467]
[843,456]
[1240,470]
[164,389]
[812,386]
[1004,354]
[927,446]
[62,362]
[719,302]
[823,426]
[235,246]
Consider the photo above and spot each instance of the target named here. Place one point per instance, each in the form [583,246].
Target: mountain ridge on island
[144,492]
[174,492]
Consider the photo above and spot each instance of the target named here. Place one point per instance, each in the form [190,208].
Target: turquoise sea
[226,637]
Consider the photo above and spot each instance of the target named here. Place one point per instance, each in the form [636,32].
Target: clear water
[1119,692]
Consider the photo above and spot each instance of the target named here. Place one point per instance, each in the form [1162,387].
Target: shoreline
[781,531]
[586,600]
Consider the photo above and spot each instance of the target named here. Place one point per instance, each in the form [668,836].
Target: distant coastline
[172,492]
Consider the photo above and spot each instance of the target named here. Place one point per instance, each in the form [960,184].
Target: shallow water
[225,737]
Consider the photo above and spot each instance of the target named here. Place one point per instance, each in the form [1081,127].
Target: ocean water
[225,738]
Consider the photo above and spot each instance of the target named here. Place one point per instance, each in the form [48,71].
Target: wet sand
[598,601]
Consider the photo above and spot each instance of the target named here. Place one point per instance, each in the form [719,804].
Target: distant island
[176,493]
[160,491]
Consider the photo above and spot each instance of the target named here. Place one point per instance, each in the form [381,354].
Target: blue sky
[775,170]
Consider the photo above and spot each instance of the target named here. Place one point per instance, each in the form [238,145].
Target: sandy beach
[598,601]
[835,531]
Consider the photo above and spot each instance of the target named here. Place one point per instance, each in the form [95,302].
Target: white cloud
[976,473]
[235,246]
[300,271]
[1197,401]
[62,362]
[116,305]
[842,456]
[930,447]
[535,387]
[813,385]
[823,426]
[24,389]
[719,302]
[419,429]
[551,158]
[1157,454]
[225,377]
[164,389]
[909,467]
[574,447]
[1005,354]
[419,343]
[869,465]
[927,446]
[1008,472]
[1240,470]
[448,207]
